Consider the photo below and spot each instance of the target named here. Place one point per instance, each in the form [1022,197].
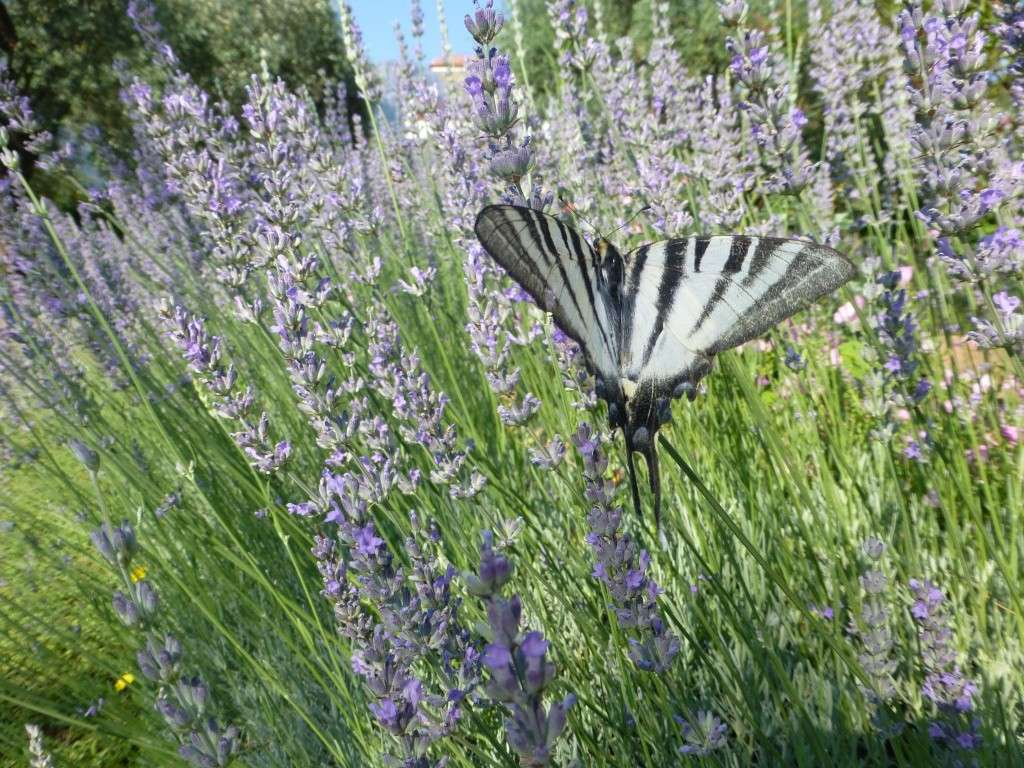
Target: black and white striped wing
[562,273]
[686,300]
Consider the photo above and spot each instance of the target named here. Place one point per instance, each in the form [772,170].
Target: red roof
[455,61]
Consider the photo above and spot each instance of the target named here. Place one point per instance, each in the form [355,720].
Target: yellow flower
[124,681]
[138,574]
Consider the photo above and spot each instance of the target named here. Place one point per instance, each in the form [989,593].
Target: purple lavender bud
[534,645]
[192,693]
[793,360]
[874,582]
[125,609]
[503,617]
[367,543]
[176,717]
[548,456]
[497,656]
[148,665]
[474,86]
[145,599]
[537,672]
[512,165]
[557,717]
[123,542]
[1005,303]
[227,744]
[704,734]
[485,23]
[101,540]
[494,572]
[732,13]
[191,754]
[386,712]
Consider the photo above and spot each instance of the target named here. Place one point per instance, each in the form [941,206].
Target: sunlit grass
[773,479]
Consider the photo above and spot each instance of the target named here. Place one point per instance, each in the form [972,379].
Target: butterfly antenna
[571,208]
[627,222]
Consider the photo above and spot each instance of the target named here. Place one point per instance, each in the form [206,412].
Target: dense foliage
[294,475]
[68,59]
[693,25]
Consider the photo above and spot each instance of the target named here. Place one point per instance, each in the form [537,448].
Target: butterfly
[650,322]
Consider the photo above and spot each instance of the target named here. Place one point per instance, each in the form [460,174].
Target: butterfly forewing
[562,273]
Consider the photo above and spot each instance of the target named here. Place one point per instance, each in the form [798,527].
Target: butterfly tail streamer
[650,453]
[632,477]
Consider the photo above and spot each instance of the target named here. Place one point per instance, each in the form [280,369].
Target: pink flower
[1009,433]
[984,384]
[906,275]
[980,454]
[847,313]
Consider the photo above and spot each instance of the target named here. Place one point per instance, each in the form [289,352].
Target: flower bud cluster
[413,626]
[496,110]
[485,23]
[204,355]
[181,700]
[965,174]
[872,627]
[702,734]
[945,686]
[901,386]
[775,122]
[520,671]
[622,566]
[1006,331]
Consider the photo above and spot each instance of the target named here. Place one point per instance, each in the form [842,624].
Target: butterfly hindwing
[653,288]
[562,273]
[688,299]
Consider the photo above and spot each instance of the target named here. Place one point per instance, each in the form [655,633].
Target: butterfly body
[651,321]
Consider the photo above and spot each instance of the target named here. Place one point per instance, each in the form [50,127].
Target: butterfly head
[606,250]
[610,262]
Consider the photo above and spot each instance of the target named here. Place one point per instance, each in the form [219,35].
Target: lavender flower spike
[621,566]
[876,640]
[181,701]
[954,726]
[1009,334]
[517,661]
[416,623]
